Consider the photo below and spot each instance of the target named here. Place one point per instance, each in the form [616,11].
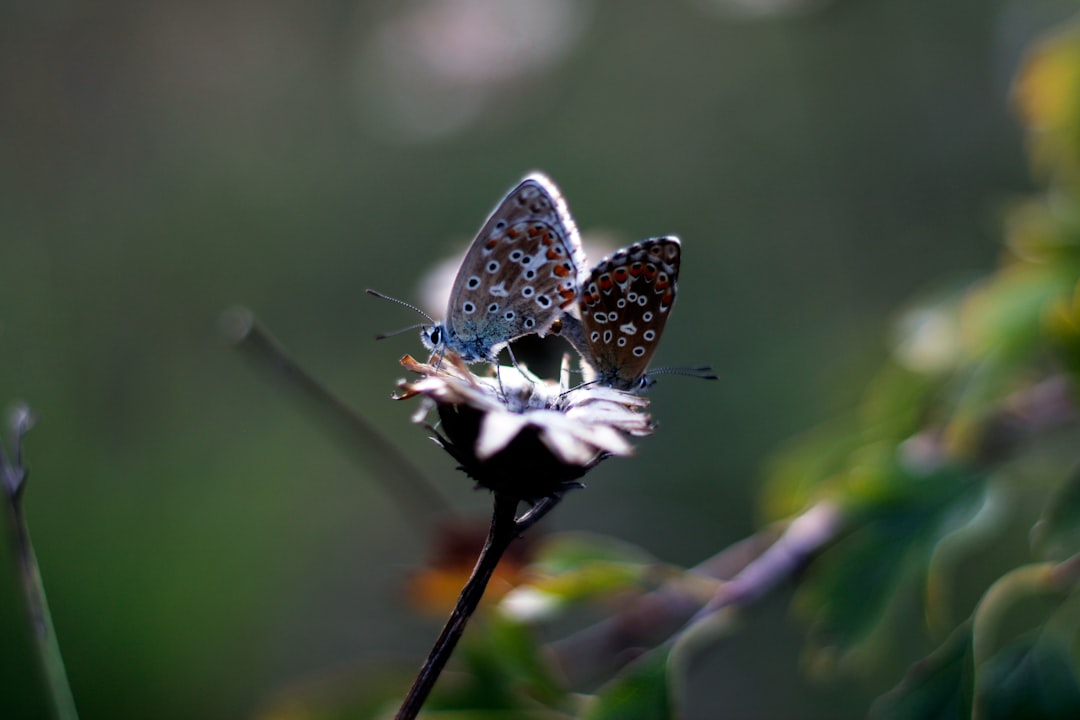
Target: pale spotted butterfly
[518,277]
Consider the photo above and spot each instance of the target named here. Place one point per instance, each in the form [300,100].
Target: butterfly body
[518,277]
[625,303]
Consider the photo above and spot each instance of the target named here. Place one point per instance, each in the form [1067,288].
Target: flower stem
[410,490]
[13,476]
[503,530]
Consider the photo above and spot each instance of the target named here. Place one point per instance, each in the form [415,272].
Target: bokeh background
[206,547]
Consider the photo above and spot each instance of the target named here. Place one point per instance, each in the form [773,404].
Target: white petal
[609,439]
[496,432]
[565,437]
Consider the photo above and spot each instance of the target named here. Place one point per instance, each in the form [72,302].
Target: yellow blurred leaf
[1048,97]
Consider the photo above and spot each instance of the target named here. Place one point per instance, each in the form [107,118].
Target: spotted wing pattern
[521,273]
[625,303]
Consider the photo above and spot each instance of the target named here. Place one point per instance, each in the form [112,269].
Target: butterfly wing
[520,273]
[625,304]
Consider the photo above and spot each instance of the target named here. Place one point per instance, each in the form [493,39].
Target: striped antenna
[382,336]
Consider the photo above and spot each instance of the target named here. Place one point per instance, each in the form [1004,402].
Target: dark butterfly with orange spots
[625,303]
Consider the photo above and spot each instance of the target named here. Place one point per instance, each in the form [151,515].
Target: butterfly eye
[435,335]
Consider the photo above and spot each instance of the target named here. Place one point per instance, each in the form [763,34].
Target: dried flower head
[519,435]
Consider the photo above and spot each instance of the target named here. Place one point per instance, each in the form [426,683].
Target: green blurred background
[205,546]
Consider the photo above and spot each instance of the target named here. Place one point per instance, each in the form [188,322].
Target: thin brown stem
[504,529]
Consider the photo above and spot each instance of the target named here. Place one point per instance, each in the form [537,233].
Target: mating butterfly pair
[525,271]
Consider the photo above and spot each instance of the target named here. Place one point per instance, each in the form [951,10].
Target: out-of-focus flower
[434,587]
[761,8]
[928,338]
[521,436]
[433,68]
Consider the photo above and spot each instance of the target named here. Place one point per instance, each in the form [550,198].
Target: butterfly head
[433,336]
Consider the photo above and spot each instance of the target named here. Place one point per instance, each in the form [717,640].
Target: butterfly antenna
[699,371]
[382,336]
[400,302]
[392,333]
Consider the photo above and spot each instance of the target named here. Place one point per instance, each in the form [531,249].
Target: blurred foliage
[204,549]
[967,417]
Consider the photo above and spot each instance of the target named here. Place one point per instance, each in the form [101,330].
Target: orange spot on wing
[621,275]
[562,270]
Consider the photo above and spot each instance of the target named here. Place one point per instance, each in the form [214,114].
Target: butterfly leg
[441,354]
[498,378]
[514,362]
[573,332]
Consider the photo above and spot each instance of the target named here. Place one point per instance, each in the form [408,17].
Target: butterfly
[625,303]
[518,276]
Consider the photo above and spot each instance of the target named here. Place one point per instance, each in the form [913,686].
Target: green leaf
[580,566]
[1057,533]
[1032,679]
[1038,232]
[519,654]
[567,552]
[372,692]
[899,514]
[935,688]
[894,405]
[1003,318]
[1063,321]
[1006,330]
[798,473]
[850,586]
[639,693]
[497,666]
[593,580]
